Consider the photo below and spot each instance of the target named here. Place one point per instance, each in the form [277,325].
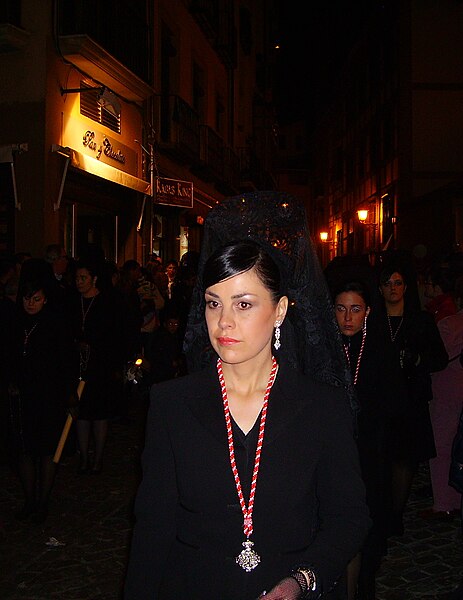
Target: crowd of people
[418,315]
[289,408]
[66,322]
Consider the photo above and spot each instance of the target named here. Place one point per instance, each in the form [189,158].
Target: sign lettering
[105,147]
[174,192]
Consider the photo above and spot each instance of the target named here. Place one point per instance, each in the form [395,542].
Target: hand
[286,589]
[409,358]
[73,411]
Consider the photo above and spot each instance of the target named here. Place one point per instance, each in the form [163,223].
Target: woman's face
[393,289]
[171,271]
[241,316]
[351,311]
[84,281]
[34,303]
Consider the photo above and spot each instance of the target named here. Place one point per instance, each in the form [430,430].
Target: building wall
[236,65]
[389,140]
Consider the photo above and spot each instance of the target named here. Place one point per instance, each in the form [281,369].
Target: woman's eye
[212,303]
[340,309]
[244,305]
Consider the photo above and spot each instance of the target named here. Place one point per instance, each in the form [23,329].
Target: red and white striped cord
[247,511]
[362,345]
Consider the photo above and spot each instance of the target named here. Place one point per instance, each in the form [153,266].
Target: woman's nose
[348,315]
[226,319]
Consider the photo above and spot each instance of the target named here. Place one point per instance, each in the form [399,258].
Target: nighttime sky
[311,46]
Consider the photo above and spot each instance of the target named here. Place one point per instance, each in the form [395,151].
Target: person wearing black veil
[251,482]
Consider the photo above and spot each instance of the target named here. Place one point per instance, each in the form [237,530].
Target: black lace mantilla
[310,338]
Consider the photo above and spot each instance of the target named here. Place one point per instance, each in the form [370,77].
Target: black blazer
[309,504]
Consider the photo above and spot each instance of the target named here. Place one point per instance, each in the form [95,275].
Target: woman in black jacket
[381,394]
[251,481]
[420,351]
[41,383]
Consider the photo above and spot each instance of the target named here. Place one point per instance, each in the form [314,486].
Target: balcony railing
[178,128]
[196,145]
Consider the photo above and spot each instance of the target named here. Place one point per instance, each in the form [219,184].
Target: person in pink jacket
[445,410]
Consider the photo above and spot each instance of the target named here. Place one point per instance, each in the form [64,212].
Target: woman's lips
[225,341]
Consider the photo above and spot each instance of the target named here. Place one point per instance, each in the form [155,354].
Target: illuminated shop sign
[95,143]
[106,147]
[173,192]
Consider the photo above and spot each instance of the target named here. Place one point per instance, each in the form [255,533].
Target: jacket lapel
[287,400]
[205,403]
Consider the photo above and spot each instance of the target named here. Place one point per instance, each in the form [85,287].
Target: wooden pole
[67,426]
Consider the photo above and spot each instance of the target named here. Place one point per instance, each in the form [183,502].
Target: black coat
[420,351]
[102,348]
[309,504]
[382,398]
[43,369]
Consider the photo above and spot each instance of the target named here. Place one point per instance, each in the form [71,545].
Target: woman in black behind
[42,382]
[381,394]
[419,351]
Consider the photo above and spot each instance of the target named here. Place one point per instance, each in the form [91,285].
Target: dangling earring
[364,328]
[277,343]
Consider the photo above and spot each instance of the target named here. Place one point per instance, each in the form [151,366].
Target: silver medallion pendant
[248,559]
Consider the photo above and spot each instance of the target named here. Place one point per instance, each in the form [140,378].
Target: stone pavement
[427,561]
[91,519]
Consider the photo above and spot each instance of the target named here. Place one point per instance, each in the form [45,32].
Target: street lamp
[327,246]
[363,216]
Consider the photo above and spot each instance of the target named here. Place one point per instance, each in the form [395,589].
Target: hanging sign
[173,192]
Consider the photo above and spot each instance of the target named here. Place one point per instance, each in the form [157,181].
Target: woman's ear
[367,312]
[282,308]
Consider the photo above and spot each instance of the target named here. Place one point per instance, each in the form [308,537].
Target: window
[91,107]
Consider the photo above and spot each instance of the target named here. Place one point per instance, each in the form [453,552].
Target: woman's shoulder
[186,386]
[317,392]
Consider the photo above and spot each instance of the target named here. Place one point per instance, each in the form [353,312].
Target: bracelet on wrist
[306,579]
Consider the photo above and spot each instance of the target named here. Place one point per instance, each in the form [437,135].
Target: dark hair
[358,287]
[238,257]
[31,287]
[93,267]
[37,274]
[386,273]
